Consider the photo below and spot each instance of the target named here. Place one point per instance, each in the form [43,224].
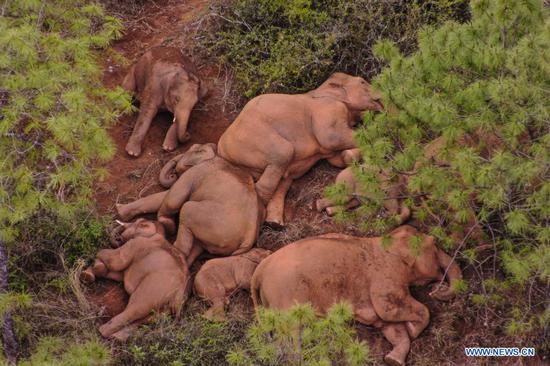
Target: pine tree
[54,112]
[468,123]
[299,337]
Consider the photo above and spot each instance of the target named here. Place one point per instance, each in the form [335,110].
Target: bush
[480,91]
[194,341]
[290,46]
[298,337]
[55,351]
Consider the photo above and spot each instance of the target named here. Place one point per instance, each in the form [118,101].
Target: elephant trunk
[181,118]
[454,274]
[168,174]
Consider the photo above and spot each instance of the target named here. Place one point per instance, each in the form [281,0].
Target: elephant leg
[196,250]
[146,114]
[148,204]
[276,207]
[397,305]
[337,161]
[115,276]
[396,334]
[129,82]
[134,311]
[98,269]
[275,169]
[171,139]
[184,239]
[210,289]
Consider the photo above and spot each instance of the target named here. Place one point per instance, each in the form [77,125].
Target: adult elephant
[279,137]
[371,274]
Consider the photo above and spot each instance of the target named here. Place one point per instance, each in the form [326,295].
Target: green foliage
[481,90]
[55,351]
[53,108]
[194,341]
[299,337]
[291,45]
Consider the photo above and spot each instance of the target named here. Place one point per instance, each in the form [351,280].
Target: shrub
[480,91]
[290,46]
[193,341]
[298,337]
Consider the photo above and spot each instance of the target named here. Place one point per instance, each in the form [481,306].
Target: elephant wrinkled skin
[163,79]
[216,201]
[279,137]
[155,275]
[331,268]
[219,278]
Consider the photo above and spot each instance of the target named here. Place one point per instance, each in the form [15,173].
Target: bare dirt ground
[168,22]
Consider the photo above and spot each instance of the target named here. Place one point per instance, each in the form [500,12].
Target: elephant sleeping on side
[279,137]
[374,278]
[154,272]
[216,202]
[393,204]
[163,79]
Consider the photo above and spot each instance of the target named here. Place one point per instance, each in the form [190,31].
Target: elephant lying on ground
[393,203]
[163,79]
[360,271]
[219,278]
[154,272]
[279,137]
[216,201]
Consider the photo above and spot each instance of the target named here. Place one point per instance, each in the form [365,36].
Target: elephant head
[426,261]
[196,154]
[141,227]
[354,91]
[184,91]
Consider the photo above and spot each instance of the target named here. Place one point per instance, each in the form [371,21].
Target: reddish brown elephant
[216,202]
[372,275]
[219,278]
[163,79]
[393,203]
[279,137]
[154,272]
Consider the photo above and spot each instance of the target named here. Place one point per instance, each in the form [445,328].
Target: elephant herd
[219,195]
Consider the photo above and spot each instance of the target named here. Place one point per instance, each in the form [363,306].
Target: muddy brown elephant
[219,278]
[216,202]
[279,137]
[163,79]
[374,280]
[154,272]
[393,202]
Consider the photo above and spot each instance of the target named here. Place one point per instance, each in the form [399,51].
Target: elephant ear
[401,245]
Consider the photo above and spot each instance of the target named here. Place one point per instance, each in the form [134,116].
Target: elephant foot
[274,223]
[87,276]
[123,212]
[105,330]
[215,314]
[169,147]
[185,138]
[133,149]
[331,211]
[413,329]
[123,334]
[393,360]
[168,223]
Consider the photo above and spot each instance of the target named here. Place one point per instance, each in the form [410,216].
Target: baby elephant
[163,79]
[219,278]
[369,273]
[155,275]
[393,204]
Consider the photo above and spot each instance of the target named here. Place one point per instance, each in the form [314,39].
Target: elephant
[154,273]
[163,79]
[219,278]
[279,137]
[370,273]
[393,204]
[216,201]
